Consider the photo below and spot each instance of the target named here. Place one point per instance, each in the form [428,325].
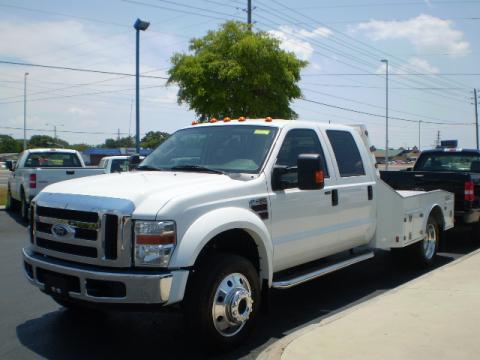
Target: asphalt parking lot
[32,326]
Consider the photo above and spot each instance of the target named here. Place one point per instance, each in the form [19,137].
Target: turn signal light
[319,177]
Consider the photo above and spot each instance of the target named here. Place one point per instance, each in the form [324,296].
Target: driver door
[303,221]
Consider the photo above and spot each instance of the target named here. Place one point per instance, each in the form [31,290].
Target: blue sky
[343,37]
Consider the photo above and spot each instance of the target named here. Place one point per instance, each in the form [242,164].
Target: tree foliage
[45,141]
[124,142]
[153,138]
[237,72]
[10,145]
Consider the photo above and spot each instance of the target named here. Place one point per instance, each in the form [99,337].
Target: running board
[286,284]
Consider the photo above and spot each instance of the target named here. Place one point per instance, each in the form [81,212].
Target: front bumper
[96,285]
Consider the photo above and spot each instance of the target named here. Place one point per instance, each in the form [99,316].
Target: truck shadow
[65,335]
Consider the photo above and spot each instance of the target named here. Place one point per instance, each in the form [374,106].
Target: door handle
[370,192]
[334,197]
[70,172]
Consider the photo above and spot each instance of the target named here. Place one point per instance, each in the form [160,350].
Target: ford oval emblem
[61,230]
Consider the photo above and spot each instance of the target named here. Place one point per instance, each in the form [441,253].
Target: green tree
[81,147]
[237,72]
[45,141]
[153,138]
[125,142]
[9,145]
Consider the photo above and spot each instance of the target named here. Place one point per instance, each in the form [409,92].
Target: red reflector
[155,239]
[469,191]
[33,181]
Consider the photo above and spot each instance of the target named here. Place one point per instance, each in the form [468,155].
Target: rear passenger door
[355,189]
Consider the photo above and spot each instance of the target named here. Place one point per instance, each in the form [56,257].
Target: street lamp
[386,112]
[139,26]
[25,111]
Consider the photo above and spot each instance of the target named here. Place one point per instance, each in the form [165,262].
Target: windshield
[462,162]
[230,148]
[52,159]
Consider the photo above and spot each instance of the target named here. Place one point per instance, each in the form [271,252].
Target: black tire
[11,204]
[423,253]
[24,207]
[203,290]
[475,232]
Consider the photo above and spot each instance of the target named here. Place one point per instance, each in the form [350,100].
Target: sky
[432,48]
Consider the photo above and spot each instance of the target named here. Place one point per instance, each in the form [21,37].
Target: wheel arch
[215,230]
[437,213]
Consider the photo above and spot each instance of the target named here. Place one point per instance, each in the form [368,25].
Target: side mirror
[9,165]
[133,161]
[310,172]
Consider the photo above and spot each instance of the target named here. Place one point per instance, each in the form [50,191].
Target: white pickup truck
[221,213]
[37,168]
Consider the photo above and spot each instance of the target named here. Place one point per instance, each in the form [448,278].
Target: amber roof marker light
[241,118]
[268,119]
[226,119]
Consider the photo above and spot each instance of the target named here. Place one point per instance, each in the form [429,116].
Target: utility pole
[386,113]
[438,138]
[419,132]
[476,115]
[118,134]
[25,111]
[139,26]
[249,12]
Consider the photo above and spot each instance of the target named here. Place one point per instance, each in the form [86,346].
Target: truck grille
[82,236]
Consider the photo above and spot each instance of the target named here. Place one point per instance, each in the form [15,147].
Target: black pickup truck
[451,169]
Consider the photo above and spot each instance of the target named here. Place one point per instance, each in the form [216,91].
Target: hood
[127,191]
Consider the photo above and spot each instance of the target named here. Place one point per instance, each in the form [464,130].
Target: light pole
[25,111]
[139,26]
[386,113]
[54,132]
[419,134]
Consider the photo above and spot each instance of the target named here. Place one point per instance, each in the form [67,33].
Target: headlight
[154,242]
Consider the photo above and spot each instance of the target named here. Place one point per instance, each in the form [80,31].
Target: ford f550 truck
[221,213]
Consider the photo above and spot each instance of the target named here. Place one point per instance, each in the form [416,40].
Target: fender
[429,211]
[206,227]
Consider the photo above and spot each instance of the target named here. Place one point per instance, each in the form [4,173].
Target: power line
[63,131]
[80,69]
[378,115]
[394,74]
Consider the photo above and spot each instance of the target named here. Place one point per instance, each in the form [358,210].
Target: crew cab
[452,169]
[37,168]
[219,214]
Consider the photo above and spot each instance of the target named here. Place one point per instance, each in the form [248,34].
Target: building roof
[391,152]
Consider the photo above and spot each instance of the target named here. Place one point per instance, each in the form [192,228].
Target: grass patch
[3,195]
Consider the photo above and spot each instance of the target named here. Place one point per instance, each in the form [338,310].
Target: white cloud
[427,33]
[291,39]
[79,111]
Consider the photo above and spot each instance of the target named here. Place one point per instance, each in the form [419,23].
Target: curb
[276,350]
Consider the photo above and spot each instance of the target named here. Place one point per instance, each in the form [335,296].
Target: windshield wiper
[148,168]
[196,168]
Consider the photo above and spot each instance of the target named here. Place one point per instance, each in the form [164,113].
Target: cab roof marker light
[213,120]
[226,119]
[242,118]
[194,122]
[268,119]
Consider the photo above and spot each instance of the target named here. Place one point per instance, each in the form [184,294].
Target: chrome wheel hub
[430,241]
[232,304]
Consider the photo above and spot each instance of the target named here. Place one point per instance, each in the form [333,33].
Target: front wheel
[24,208]
[222,301]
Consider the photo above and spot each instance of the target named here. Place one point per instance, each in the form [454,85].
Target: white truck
[118,163]
[37,168]
[221,213]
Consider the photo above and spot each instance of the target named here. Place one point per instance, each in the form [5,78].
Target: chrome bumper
[140,287]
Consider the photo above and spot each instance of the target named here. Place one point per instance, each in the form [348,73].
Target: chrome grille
[100,238]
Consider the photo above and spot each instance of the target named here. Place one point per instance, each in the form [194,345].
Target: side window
[297,141]
[346,152]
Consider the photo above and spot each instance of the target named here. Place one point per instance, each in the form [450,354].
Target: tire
[423,253]
[475,232]
[24,207]
[222,301]
[11,204]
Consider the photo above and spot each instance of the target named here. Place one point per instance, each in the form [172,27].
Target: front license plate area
[56,285]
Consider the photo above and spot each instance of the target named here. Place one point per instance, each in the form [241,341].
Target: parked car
[451,169]
[112,164]
[221,213]
[37,168]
